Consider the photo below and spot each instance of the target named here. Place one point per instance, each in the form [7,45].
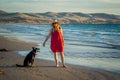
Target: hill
[64,17]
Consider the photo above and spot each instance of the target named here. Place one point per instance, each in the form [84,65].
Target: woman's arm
[48,36]
[61,32]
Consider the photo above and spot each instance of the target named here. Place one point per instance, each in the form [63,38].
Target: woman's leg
[56,59]
[62,58]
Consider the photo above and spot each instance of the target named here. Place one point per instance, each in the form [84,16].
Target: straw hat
[56,21]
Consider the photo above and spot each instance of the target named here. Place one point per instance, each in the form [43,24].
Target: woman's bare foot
[64,66]
[57,65]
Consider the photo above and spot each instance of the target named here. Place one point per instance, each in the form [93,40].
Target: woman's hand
[44,44]
[47,37]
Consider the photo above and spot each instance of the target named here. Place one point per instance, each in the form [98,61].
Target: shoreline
[44,69]
[15,44]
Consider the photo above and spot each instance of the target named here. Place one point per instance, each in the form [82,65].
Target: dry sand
[43,70]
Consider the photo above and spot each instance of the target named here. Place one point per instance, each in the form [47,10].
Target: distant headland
[64,17]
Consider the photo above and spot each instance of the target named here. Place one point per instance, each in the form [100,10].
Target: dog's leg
[32,60]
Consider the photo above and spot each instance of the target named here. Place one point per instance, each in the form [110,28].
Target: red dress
[57,41]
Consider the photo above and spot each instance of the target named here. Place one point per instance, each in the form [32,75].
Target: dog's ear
[33,48]
[38,48]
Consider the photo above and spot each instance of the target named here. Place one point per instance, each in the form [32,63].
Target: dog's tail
[19,65]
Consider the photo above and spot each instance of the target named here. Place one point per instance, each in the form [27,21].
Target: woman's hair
[57,22]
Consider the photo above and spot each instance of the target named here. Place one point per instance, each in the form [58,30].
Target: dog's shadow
[7,67]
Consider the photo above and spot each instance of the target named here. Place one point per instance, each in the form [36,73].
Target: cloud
[110,1]
[87,6]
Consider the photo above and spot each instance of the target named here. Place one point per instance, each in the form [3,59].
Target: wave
[93,55]
[4,31]
[109,33]
[110,46]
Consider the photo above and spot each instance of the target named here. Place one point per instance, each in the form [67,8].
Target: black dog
[29,59]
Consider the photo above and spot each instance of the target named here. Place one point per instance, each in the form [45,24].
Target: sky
[41,6]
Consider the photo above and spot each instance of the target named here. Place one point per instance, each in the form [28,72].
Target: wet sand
[43,70]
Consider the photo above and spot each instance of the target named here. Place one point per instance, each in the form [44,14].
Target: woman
[57,42]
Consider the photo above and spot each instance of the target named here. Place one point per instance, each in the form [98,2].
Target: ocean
[90,45]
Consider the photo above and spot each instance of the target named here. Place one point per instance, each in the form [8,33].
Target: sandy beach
[43,70]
